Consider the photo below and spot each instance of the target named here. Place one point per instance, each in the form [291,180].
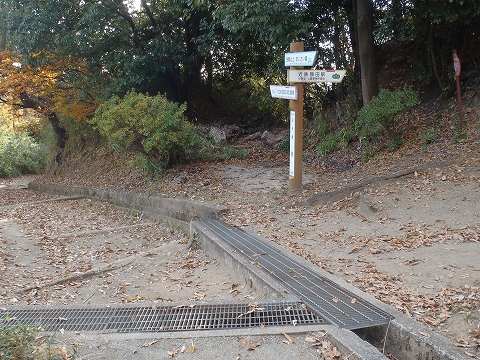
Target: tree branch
[149,14]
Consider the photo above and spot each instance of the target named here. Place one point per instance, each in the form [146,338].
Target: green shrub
[17,342]
[20,342]
[328,144]
[154,126]
[335,140]
[429,135]
[368,154]
[158,131]
[383,112]
[20,154]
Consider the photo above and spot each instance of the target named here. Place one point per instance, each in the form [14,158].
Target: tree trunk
[366,47]
[431,50]
[3,39]
[60,133]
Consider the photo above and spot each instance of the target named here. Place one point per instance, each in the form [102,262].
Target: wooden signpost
[296,76]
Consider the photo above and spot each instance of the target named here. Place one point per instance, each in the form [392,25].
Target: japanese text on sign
[311,75]
[284,92]
[295,76]
[306,58]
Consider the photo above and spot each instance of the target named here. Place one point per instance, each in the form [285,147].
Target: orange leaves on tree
[53,86]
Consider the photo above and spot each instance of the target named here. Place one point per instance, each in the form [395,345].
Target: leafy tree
[46,88]
[430,30]
[176,47]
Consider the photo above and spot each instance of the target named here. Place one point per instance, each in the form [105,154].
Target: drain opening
[162,318]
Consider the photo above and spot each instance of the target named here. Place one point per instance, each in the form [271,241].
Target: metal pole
[296,130]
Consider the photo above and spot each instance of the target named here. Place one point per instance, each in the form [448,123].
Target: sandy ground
[79,251]
[411,241]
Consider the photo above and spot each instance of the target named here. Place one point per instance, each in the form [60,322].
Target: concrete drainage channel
[367,330]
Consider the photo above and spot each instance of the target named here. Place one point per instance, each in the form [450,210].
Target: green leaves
[383,111]
[20,154]
[152,126]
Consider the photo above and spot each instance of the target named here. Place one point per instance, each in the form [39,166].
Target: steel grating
[329,300]
[122,319]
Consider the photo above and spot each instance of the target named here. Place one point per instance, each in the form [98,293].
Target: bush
[383,112]
[429,136]
[18,341]
[154,126]
[335,140]
[157,130]
[20,154]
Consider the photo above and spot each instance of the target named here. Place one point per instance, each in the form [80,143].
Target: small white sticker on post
[292,143]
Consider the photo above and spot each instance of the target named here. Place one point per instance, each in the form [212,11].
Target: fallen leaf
[462,343]
[172,353]
[235,292]
[334,353]
[355,249]
[253,346]
[147,344]
[311,339]
[288,338]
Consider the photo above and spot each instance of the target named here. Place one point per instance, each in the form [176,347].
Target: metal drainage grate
[156,318]
[328,299]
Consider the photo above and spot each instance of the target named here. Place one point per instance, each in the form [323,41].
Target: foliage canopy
[210,54]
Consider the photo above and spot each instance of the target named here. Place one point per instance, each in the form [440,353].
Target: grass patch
[20,342]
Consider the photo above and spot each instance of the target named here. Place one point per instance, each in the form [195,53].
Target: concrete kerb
[264,285]
[350,345]
[404,337]
[177,212]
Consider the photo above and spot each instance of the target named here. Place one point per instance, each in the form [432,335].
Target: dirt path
[80,251]
[411,240]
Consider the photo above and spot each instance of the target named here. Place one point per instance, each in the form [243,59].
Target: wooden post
[296,130]
[457,67]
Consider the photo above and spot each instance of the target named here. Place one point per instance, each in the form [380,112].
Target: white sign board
[292,143]
[284,92]
[310,76]
[306,58]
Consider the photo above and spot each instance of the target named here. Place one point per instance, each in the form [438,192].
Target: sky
[137,4]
